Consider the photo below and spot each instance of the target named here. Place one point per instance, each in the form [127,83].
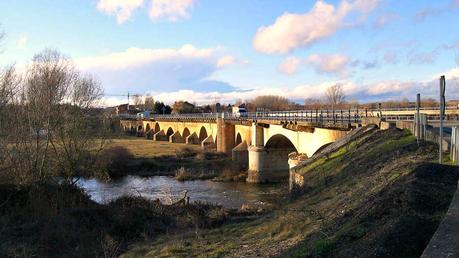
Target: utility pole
[442,113]
[128,102]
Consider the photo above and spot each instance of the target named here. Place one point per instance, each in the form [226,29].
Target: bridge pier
[240,156]
[192,139]
[160,136]
[225,136]
[208,143]
[176,138]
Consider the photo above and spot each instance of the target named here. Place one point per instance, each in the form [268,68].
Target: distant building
[123,109]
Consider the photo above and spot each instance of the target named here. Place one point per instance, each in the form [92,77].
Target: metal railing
[318,116]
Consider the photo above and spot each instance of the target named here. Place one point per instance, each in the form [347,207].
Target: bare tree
[53,131]
[138,102]
[312,103]
[334,96]
[149,103]
[272,102]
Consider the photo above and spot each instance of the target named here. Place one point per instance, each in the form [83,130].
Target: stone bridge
[260,146]
[262,142]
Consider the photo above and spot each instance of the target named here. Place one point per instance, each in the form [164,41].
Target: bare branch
[334,96]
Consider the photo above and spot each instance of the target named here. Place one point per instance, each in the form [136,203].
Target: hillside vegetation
[379,196]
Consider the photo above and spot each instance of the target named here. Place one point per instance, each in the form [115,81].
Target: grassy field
[139,156]
[377,197]
[142,148]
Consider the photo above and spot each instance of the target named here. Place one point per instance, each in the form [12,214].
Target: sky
[208,51]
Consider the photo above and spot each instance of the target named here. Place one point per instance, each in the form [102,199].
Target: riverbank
[379,197]
[61,221]
[142,157]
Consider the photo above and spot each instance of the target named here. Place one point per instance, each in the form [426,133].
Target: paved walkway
[445,242]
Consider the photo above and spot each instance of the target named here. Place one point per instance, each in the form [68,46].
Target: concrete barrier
[445,241]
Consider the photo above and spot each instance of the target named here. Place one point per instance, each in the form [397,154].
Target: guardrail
[320,116]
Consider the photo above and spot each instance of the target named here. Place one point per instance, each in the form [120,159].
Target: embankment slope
[378,196]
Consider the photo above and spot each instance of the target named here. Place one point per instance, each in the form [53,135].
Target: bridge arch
[202,134]
[147,127]
[157,127]
[185,133]
[277,150]
[238,139]
[279,141]
[169,132]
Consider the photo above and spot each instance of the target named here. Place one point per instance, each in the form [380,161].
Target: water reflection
[167,189]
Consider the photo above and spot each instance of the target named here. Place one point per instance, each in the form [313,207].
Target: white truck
[239,112]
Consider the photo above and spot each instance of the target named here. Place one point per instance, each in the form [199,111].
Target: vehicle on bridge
[239,112]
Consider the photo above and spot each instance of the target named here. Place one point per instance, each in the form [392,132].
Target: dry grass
[375,200]
[143,149]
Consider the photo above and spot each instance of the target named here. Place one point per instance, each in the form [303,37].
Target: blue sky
[215,50]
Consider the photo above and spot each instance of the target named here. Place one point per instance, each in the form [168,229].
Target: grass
[142,148]
[376,197]
[139,156]
[61,221]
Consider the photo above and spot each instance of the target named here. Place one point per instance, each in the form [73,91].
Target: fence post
[418,119]
[452,151]
[442,106]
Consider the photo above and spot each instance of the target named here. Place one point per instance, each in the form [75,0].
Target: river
[167,189]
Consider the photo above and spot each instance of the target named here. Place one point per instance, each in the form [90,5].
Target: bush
[114,161]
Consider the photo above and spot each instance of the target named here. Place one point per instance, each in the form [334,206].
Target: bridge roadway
[262,142]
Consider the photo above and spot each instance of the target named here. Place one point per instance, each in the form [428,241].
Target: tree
[138,102]
[183,107]
[160,108]
[149,103]
[271,102]
[59,136]
[334,96]
[312,103]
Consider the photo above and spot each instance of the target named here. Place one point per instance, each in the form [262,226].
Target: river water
[167,189]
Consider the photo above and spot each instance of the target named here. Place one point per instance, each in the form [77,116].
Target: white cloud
[226,61]
[289,65]
[144,69]
[22,42]
[171,10]
[389,87]
[292,31]
[334,64]
[133,57]
[122,9]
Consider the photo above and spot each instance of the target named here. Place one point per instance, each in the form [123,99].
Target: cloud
[171,10]
[385,19]
[391,57]
[389,87]
[331,64]
[21,43]
[289,65]
[292,31]
[226,61]
[122,9]
[133,57]
[144,69]
[378,91]
[371,64]
[422,58]
[424,13]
